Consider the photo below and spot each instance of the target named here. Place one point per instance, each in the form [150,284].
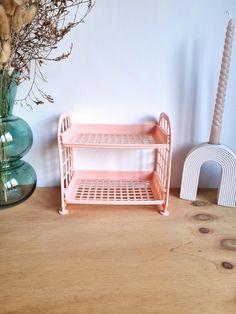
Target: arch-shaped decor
[222,155]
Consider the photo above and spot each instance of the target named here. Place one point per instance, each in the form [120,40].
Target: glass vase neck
[8,88]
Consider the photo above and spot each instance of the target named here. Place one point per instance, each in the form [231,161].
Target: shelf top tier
[115,136]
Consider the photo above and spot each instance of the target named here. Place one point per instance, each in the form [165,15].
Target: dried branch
[33,43]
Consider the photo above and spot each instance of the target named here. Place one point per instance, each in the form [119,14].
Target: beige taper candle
[222,85]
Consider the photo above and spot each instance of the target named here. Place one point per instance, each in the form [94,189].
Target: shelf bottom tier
[110,187]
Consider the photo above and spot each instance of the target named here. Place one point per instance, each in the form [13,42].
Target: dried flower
[30,31]
[6,52]
[4,24]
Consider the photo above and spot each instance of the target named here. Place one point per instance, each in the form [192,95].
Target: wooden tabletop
[118,259]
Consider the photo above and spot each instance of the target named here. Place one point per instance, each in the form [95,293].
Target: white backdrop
[133,59]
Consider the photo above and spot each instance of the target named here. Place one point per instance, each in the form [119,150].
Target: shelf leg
[63,210]
[164,212]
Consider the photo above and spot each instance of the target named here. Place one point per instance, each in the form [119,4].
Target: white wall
[133,59]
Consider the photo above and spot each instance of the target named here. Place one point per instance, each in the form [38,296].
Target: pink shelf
[110,187]
[115,136]
[115,187]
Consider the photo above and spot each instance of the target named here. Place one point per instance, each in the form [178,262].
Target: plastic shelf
[115,187]
[114,136]
[108,187]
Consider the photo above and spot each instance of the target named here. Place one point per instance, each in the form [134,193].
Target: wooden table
[113,259]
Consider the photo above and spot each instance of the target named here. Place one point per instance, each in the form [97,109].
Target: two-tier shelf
[115,187]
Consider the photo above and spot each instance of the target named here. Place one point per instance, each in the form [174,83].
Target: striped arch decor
[222,155]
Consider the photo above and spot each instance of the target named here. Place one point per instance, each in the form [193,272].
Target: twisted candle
[222,85]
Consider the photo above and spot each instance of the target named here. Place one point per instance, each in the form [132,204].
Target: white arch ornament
[200,154]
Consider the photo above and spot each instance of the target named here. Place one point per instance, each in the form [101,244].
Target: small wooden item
[115,187]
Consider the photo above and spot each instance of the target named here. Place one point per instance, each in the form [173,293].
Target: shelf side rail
[163,161]
[65,159]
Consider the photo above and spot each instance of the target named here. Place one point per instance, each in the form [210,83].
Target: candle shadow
[187,113]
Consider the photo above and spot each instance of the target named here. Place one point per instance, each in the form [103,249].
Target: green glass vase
[17,177]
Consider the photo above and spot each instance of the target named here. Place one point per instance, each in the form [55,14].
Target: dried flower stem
[34,44]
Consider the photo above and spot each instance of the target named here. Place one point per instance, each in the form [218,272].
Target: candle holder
[214,150]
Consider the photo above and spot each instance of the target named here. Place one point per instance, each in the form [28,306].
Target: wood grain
[117,259]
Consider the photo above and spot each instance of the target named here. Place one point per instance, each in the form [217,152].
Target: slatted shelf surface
[104,136]
[114,191]
[119,139]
